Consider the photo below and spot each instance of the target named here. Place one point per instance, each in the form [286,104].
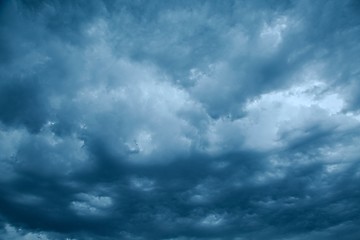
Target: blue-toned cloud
[179,120]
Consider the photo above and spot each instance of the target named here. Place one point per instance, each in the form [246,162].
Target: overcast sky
[180,120]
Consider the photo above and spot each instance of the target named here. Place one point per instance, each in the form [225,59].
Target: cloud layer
[179,120]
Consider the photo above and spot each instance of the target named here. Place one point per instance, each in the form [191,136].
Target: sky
[179,120]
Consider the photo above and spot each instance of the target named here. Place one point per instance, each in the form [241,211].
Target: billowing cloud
[179,120]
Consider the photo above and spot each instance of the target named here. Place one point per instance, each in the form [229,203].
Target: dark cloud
[179,120]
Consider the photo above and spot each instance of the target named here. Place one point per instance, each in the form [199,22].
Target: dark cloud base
[179,120]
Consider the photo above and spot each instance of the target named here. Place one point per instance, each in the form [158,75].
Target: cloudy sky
[180,120]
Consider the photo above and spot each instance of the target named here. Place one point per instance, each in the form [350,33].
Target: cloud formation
[179,120]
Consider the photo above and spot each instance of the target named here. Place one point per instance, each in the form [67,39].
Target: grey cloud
[179,120]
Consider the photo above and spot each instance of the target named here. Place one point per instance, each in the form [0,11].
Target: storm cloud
[180,120]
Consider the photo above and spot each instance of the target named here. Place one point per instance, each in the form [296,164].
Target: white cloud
[91,205]
[12,233]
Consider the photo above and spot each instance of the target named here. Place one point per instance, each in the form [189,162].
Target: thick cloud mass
[179,120]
